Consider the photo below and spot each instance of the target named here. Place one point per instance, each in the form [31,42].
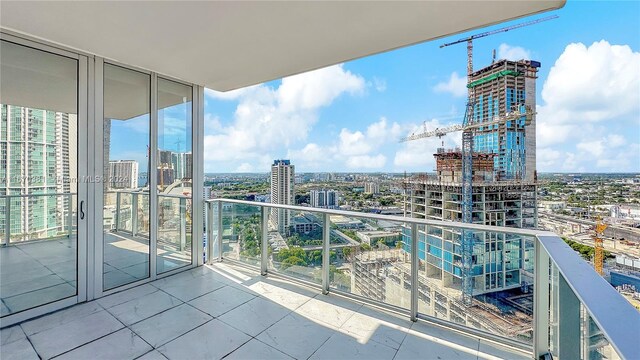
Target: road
[612,231]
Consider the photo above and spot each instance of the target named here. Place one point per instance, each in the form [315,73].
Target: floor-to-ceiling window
[125,154]
[174,174]
[39,161]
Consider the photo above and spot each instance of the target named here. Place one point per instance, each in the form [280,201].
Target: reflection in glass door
[39,161]
[174,175]
[126,134]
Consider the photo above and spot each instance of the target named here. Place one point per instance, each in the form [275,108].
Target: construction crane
[598,257]
[467,129]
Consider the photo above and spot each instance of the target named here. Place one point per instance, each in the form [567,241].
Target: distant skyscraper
[327,199]
[282,192]
[123,174]
[39,156]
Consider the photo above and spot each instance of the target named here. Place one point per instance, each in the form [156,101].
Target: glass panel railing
[174,232]
[241,233]
[372,260]
[481,278]
[126,238]
[296,247]
[500,291]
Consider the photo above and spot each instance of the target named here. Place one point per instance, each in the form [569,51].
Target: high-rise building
[123,174]
[182,164]
[504,188]
[371,188]
[39,156]
[327,199]
[282,192]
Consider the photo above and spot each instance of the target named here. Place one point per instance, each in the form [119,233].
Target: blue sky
[349,117]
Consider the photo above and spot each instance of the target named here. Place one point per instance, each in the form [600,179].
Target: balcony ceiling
[228,45]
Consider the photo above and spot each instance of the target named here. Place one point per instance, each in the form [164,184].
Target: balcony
[227,310]
[248,305]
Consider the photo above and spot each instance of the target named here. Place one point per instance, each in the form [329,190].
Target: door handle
[81,211]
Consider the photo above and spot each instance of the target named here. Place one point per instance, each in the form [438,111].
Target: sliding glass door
[147,167]
[125,185]
[42,168]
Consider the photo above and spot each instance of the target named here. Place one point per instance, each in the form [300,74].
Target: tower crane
[468,128]
[598,257]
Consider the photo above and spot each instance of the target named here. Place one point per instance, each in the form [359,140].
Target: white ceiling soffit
[228,45]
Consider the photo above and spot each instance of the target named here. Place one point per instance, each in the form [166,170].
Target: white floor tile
[257,350]
[291,297]
[222,300]
[296,336]
[60,317]
[126,295]
[143,307]
[11,334]
[166,326]
[417,346]
[255,316]
[321,309]
[342,346]
[68,336]
[221,340]
[191,289]
[122,344]
[371,325]
[152,355]
[18,350]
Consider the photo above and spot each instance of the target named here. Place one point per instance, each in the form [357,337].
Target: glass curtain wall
[174,173]
[38,177]
[127,105]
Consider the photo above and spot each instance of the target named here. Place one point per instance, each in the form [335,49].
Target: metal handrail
[37,195]
[609,310]
[393,218]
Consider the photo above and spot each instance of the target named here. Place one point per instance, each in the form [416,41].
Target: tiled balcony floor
[225,311]
[38,272]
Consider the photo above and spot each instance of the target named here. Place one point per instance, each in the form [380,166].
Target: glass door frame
[97,192]
[84,129]
[90,192]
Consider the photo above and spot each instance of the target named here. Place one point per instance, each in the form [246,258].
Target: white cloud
[244,168]
[506,51]
[366,162]
[456,86]
[590,100]
[379,84]
[267,119]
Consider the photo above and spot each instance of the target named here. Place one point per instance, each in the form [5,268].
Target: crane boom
[498,120]
[504,29]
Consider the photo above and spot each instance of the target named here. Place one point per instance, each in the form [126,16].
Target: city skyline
[349,117]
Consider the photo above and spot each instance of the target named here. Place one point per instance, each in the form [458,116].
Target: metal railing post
[326,253]
[414,272]
[70,215]
[134,214]
[541,302]
[7,227]
[183,223]
[117,215]
[220,230]
[264,241]
[209,226]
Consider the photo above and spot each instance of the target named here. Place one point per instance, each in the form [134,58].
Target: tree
[291,261]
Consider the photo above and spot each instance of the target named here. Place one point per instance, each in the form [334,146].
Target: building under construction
[504,190]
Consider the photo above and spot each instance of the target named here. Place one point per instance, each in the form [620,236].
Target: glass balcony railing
[48,216]
[522,288]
